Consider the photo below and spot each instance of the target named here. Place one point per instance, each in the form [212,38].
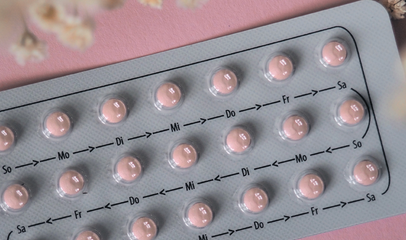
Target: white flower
[191,3]
[49,15]
[76,33]
[29,48]
[152,3]
[396,8]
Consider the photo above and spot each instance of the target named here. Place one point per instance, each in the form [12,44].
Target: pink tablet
[128,168]
[280,67]
[6,138]
[15,196]
[255,200]
[311,186]
[200,215]
[238,140]
[71,183]
[57,124]
[113,111]
[351,112]
[295,127]
[224,82]
[168,95]
[366,172]
[334,53]
[144,229]
[184,155]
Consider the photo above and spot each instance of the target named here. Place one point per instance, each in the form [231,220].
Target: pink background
[134,31]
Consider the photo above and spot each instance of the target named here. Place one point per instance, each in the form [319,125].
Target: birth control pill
[87,235]
[6,138]
[128,169]
[334,53]
[223,82]
[295,127]
[199,215]
[310,186]
[366,172]
[168,96]
[255,200]
[351,112]
[57,124]
[280,68]
[113,111]
[144,228]
[71,183]
[184,155]
[238,140]
[15,196]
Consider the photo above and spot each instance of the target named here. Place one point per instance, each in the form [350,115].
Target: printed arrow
[148,134]
[275,164]
[231,231]
[35,162]
[314,92]
[162,192]
[329,150]
[203,120]
[49,221]
[343,204]
[217,178]
[258,106]
[286,218]
[107,206]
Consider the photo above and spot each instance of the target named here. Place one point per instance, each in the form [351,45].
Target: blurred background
[43,39]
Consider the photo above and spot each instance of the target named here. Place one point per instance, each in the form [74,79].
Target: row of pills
[199,213]
[294,126]
[308,185]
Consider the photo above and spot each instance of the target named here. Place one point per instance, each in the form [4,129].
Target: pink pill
[184,155]
[351,112]
[255,199]
[238,140]
[15,196]
[129,168]
[280,67]
[114,111]
[71,182]
[87,235]
[295,127]
[366,172]
[144,229]
[224,81]
[6,138]
[311,186]
[200,215]
[334,53]
[57,124]
[168,95]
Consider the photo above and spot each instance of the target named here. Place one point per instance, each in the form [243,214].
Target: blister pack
[276,132]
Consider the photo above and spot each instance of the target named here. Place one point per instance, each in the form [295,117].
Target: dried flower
[111,4]
[399,104]
[76,33]
[152,3]
[396,8]
[48,15]
[191,3]
[29,48]
[91,5]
